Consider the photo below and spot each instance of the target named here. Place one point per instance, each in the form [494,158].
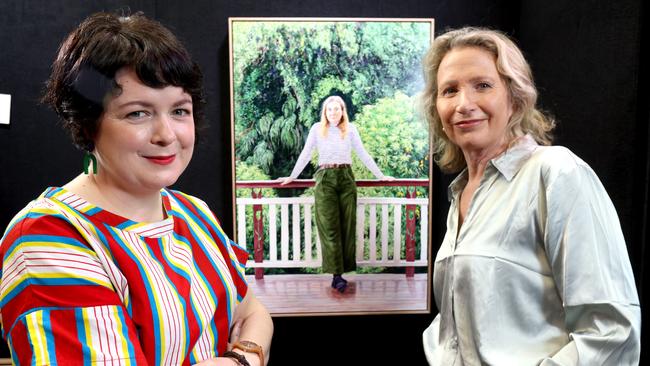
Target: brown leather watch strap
[241,360]
[250,347]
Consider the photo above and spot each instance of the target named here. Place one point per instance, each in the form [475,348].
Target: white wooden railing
[297,237]
[287,227]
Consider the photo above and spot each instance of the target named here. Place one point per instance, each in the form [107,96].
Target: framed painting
[282,71]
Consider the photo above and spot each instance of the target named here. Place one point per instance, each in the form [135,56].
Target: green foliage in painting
[395,137]
[284,70]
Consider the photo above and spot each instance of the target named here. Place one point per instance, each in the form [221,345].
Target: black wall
[585,55]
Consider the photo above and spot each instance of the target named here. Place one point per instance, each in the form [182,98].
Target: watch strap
[241,360]
[250,347]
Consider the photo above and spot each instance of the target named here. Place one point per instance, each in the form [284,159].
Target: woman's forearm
[256,325]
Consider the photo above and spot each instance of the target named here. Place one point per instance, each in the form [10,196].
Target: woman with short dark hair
[114,267]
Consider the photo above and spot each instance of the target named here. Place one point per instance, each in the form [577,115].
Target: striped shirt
[332,149]
[81,286]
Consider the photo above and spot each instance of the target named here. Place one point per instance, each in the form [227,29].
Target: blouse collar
[507,163]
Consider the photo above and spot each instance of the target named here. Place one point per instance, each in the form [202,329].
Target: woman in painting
[533,269]
[114,267]
[335,194]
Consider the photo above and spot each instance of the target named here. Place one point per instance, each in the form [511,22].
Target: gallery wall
[586,58]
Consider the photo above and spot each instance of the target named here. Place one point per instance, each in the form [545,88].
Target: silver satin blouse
[539,272]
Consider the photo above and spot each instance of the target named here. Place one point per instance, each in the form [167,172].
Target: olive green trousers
[336,206]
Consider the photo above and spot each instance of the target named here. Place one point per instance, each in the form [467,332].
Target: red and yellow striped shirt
[80,285]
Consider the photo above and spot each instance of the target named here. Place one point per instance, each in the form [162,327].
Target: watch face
[250,345]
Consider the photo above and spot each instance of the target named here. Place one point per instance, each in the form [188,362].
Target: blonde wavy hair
[345,120]
[514,71]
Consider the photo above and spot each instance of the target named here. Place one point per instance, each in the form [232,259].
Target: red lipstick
[162,160]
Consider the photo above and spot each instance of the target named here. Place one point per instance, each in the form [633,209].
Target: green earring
[90,158]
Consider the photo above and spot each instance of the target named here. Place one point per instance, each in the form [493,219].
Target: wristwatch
[250,347]
[239,358]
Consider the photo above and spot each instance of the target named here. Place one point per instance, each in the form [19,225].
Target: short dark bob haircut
[84,70]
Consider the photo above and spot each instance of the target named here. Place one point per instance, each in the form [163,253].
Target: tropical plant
[283,71]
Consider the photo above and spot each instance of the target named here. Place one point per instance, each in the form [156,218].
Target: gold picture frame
[281,69]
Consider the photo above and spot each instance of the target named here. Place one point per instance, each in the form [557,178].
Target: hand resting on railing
[286,180]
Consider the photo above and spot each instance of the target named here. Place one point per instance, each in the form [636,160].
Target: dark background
[586,57]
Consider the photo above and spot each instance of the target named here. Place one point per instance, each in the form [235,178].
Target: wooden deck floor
[286,295]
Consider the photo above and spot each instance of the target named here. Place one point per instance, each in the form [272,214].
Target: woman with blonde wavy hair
[533,269]
[335,193]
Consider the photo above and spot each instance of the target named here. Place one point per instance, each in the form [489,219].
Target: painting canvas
[281,71]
